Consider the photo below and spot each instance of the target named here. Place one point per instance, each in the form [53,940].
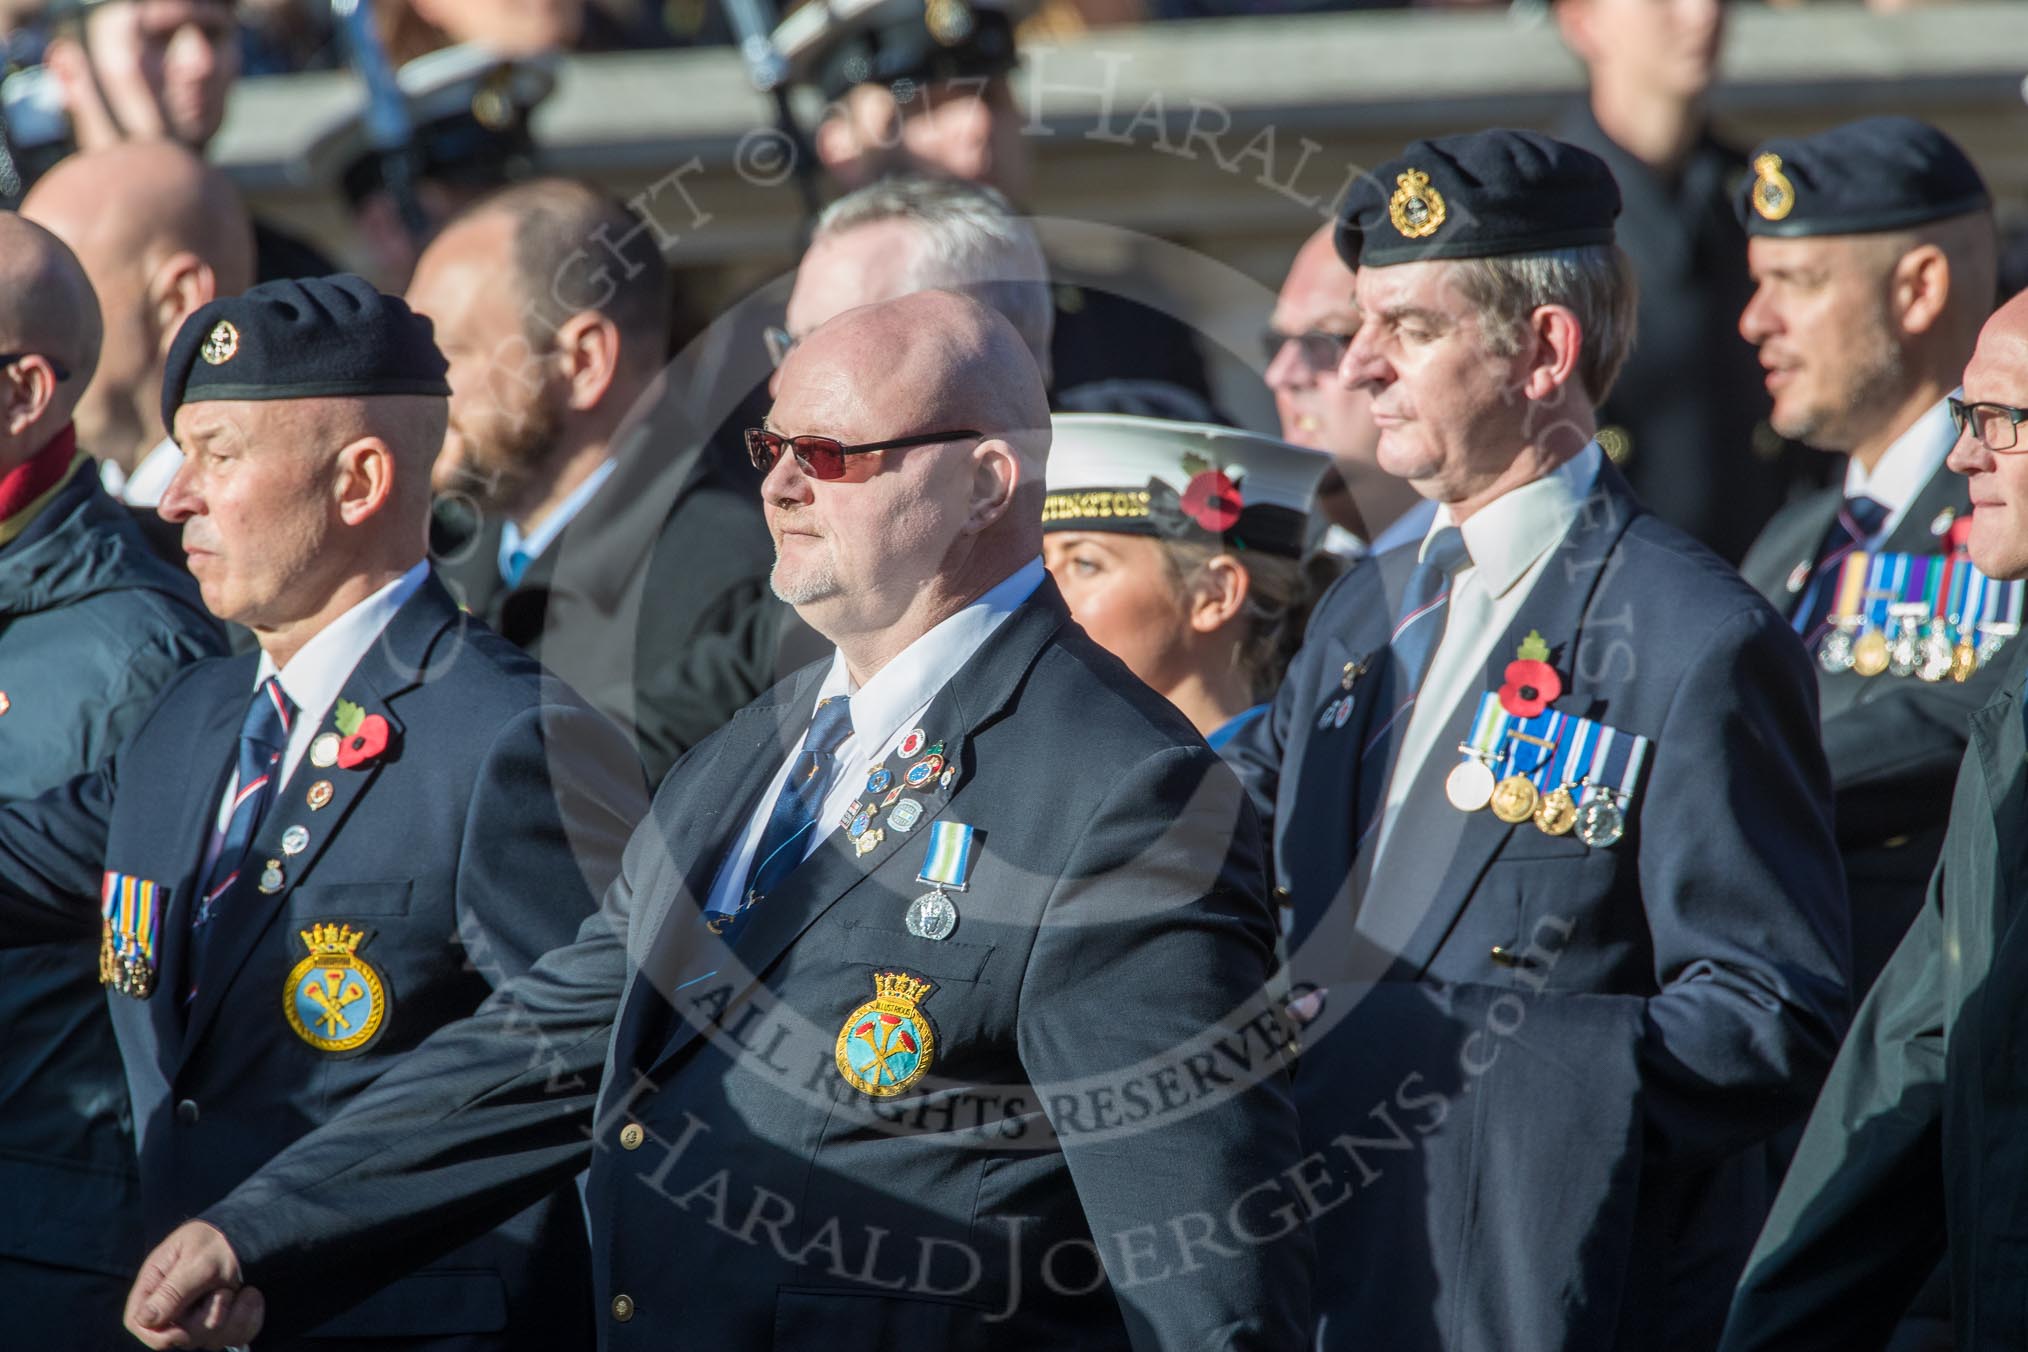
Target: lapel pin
[911,743]
[869,841]
[271,877]
[295,840]
[1798,575]
[904,815]
[324,750]
[320,794]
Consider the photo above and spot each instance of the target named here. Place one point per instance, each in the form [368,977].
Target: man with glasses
[906,973]
[92,627]
[1315,316]
[1914,1153]
[1872,246]
[582,519]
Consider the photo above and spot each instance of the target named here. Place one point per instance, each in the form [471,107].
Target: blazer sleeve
[1859,1222]
[1744,894]
[1155,946]
[488,1116]
[556,800]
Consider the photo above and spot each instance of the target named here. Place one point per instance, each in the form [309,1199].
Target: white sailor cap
[1121,474]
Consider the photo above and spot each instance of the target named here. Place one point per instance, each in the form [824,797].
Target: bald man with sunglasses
[928,1011]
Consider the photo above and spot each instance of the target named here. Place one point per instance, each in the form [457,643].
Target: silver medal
[1938,654]
[1834,654]
[1601,823]
[933,915]
[1904,650]
[1470,786]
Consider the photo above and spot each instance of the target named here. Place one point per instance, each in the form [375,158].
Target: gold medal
[1515,799]
[1869,653]
[1556,813]
[1964,661]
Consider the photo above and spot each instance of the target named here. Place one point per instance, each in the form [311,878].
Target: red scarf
[24,488]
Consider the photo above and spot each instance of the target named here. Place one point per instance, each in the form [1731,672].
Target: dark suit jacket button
[632,1135]
[623,1308]
[186,1112]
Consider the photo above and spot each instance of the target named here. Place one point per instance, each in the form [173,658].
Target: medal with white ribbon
[947,863]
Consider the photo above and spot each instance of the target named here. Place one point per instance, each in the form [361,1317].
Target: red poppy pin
[1210,499]
[1531,682]
[363,736]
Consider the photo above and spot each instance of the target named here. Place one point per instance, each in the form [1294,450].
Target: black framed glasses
[824,457]
[56,367]
[1996,425]
[780,343]
[1320,351]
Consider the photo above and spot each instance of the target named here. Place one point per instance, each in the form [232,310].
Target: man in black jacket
[92,626]
[583,523]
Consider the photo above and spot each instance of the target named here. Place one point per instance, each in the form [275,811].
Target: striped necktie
[263,737]
[1418,629]
[785,842]
[1858,520]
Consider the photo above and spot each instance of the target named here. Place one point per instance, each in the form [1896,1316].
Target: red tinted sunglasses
[824,457]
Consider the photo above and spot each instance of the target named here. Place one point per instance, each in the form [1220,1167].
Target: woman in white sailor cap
[1179,547]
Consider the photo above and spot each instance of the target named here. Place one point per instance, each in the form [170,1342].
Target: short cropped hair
[1594,282]
[973,242]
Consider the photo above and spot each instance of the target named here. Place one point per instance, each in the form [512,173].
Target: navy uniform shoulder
[490,677]
[1114,717]
[1669,568]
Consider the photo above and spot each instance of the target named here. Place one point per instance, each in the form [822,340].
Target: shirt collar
[910,681]
[1508,534]
[317,673]
[1909,464]
[532,544]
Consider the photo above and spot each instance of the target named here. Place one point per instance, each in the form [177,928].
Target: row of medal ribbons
[1934,616]
[1562,772]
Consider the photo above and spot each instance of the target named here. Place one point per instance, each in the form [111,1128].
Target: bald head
[906,536]
[159,233]
[47,308]
[1995,382]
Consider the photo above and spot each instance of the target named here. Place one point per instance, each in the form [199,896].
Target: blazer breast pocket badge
[1529,762]
[130,933]
[335,1000]
[887,1043]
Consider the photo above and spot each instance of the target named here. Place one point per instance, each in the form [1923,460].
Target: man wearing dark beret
[1549,811]
[307,859]
[1873,249]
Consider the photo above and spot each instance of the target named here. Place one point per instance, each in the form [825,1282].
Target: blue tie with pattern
[1418,629]
[785,841]
[263,736]
[1857,521]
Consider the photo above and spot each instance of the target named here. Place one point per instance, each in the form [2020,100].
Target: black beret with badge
[836,44]
[1120,474]
[1861,178]
[1483,194]
[318,337]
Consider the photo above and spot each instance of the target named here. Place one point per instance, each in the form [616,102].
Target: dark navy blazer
[1542,1069]
[1096,1158]
[478,842]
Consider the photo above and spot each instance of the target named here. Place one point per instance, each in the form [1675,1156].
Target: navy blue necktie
[1418,629]
[786,840]
[1858,520]
[263,737]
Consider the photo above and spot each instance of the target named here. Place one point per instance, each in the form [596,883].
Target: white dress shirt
[1911,462]
[1511,540]
[532,544]
[316,675]
[884,710]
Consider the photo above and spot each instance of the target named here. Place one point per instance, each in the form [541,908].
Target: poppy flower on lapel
[364,736]
[1212,501]
[1531,683]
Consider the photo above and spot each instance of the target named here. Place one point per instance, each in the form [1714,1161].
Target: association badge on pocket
[887,1043]
[335,1000]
